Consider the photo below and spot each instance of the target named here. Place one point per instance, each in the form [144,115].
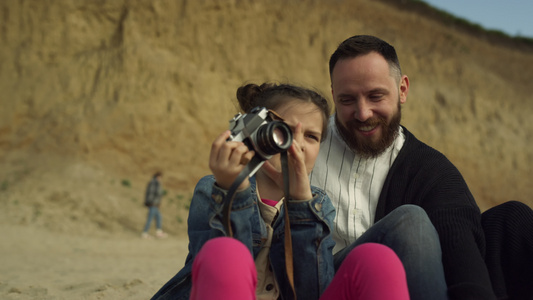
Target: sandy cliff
[97,95]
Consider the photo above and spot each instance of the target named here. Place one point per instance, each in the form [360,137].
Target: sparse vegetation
[4,186]
[36,213]
[126,183]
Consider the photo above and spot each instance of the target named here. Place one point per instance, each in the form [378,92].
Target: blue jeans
[408,231]
[153,211]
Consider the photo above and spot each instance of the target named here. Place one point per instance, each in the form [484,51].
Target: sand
[39,264]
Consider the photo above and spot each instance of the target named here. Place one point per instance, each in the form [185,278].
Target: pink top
[269,202]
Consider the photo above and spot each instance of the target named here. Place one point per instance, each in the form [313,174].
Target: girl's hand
[228,159]
[299,185]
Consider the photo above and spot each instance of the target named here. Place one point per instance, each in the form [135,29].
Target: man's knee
[412,218]
[412,229]
[411,211]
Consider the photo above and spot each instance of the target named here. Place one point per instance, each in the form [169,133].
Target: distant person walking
[152,200]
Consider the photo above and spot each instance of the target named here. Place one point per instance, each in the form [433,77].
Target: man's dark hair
[157,174]
[364,44]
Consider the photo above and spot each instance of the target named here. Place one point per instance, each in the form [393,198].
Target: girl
[252,264]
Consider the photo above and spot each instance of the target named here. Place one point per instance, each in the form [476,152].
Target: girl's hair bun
[250,94]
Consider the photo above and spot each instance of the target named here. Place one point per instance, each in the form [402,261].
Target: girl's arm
[227,159]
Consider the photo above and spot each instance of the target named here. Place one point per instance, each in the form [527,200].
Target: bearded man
[388,187]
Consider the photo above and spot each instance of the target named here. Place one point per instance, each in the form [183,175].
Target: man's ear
[403,88]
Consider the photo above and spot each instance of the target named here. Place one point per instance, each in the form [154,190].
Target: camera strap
[228,199]
[226,210]
[288,237]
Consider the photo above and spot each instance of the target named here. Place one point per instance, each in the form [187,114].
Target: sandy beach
[39,264]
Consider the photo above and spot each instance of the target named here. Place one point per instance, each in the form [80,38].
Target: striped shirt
[353,183]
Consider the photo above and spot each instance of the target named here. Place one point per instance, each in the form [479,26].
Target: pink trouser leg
[370,272]
[223,269]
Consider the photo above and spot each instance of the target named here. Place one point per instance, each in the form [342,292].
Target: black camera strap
[228,202]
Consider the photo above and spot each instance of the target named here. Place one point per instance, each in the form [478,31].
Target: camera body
[260,133]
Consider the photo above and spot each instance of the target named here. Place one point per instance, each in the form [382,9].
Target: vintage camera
[262,133]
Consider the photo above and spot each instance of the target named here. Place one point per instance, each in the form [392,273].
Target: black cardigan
[508,230]
[423,176]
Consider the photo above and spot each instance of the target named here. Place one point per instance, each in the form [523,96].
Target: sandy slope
[97,95]
[39,264]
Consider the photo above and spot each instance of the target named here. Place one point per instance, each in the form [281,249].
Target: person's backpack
[148,201]
[152,193]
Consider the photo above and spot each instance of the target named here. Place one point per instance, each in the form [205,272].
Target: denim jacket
[312,242]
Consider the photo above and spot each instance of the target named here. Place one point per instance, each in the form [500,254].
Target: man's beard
[365,147]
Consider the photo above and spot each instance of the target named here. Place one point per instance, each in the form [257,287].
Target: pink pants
[370,271]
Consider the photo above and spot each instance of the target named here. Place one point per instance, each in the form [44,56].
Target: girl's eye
[313,137]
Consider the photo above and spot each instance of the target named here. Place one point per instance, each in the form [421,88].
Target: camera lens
[273,137]
[279,136]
